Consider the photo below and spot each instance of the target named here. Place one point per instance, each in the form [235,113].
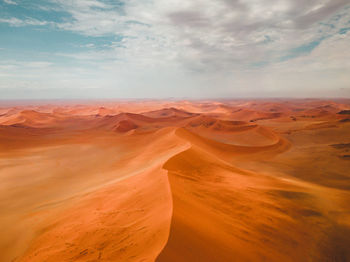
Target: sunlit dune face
[172,181]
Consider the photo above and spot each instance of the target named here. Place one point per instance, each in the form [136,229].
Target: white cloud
[23,65]
[208,34]
[10,2]
[19,22]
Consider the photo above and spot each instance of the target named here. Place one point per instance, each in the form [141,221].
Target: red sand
[175,181]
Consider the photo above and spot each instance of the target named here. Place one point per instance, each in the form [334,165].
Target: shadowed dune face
[175,181]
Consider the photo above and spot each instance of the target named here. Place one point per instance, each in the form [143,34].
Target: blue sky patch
[302,50]
[343,31]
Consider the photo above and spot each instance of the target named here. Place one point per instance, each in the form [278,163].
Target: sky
[77,49]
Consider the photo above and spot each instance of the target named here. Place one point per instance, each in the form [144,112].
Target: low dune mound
[20,136]
[231,126]
[266,116]
[322,111]
[102,111]
[30,118]
[168,112]
[244,114]
[111,122]
[316,113]
[5,112]
[321,124]
[202,121]
[228,147]
[341,146]
[270,107]
[34,115]
[216,124]
[212,108]
[232,132]
[88,110]
[329,108]
[344,112]
[125,126]
[138,117]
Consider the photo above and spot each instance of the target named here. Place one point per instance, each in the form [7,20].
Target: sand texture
[175,181]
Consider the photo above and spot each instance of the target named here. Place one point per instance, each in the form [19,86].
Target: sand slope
[175,181]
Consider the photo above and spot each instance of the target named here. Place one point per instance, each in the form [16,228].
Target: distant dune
[170,181]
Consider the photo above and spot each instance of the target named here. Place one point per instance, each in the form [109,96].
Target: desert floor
[174,181]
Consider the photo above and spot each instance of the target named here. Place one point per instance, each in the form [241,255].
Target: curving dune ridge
[175,181]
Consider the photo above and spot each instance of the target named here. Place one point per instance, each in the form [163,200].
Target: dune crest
[175,181]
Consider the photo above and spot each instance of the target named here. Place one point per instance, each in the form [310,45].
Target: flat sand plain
[173,181]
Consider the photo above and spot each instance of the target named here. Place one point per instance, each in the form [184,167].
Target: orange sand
[172,181]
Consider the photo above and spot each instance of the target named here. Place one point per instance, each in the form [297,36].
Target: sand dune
[175,181]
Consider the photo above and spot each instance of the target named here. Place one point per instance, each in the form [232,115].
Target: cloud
[205,34]
[10,2]
[92,17]
[264,47]
[19,22]
[24,65]
[210,35]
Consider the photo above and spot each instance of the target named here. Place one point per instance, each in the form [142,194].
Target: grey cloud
[320,14]
[188,18]
[289,24]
